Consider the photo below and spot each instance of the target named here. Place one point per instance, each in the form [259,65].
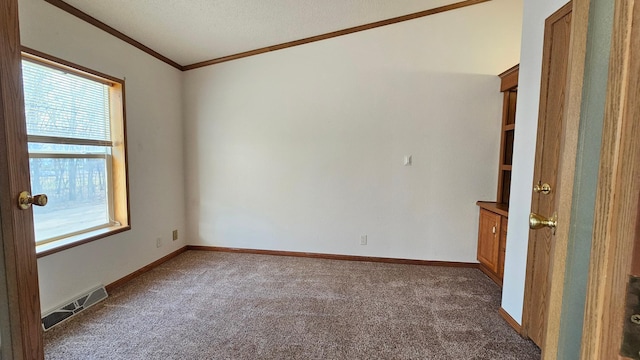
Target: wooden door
[20,327]
[615,252]
[488,233]
[548,148]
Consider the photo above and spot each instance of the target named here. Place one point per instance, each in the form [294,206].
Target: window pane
[63,104]
[77,192]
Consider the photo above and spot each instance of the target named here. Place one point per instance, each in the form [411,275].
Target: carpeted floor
[211,305]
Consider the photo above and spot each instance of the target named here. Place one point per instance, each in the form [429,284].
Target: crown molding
[99,24]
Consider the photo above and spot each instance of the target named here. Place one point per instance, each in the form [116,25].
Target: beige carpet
[210,305]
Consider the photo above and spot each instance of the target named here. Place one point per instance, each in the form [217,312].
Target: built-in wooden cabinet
[509,88]
[502,245]
[494,216]
[492,238]
[488,239]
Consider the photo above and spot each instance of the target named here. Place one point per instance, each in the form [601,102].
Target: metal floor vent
[67,311]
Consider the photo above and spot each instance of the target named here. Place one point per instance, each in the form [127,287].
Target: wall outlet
[158,242]
[363,239]
[175,235]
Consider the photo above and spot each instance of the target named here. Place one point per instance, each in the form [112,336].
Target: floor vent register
[72,308]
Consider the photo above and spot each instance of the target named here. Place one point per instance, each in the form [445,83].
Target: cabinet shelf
[492,230]
[498,208]
[509,88]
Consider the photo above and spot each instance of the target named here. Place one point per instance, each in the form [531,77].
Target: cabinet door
[488,236]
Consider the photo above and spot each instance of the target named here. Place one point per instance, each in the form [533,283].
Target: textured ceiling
[190,31]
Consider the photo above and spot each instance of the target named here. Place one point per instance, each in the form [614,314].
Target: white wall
[155,145]
[524,152]
[302,149]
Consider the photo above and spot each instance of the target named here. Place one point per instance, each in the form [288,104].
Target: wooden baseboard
[334,257]
[490,274]
[116,284]
[514,324]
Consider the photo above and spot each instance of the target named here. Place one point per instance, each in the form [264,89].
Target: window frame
[117,167]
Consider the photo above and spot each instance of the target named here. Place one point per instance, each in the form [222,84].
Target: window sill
[73,241]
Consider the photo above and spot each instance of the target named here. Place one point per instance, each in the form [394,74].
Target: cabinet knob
[493,230]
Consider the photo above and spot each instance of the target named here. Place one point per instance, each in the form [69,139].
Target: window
[77,157]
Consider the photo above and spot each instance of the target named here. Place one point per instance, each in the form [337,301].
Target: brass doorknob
[537,221]
[25,200]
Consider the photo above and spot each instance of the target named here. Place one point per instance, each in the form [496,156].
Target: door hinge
[631,335]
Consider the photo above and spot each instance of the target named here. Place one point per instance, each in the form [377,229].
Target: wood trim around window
[119,155]
[61,245]
[58,63]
